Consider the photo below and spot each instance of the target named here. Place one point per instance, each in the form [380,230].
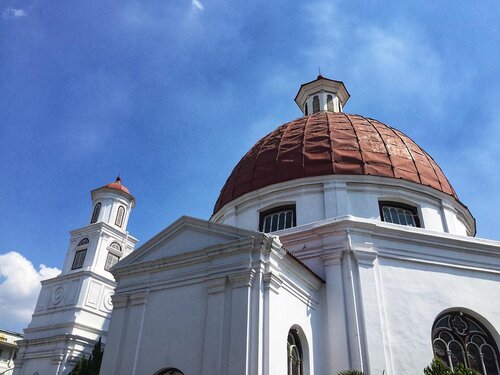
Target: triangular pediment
[185,235]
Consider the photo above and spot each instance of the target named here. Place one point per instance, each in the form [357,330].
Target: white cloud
[197,4]
[14,13]
[19,288]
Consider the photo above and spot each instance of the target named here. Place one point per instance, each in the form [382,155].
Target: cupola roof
[117,185]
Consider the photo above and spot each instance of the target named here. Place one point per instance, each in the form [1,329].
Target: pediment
[185,235]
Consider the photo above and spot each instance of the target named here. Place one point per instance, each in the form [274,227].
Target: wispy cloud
[14,13]
[19,288]
[197,5]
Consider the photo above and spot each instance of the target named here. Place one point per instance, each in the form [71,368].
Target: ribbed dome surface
[328,143]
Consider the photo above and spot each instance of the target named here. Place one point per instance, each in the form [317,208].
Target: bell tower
[74,308]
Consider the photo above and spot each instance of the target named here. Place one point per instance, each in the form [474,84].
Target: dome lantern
[320,95]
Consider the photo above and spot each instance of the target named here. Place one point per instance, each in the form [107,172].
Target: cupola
[322,94]
[112,204]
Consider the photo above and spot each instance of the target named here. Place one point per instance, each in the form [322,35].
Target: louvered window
[119,216]
[79,259]
[111,260]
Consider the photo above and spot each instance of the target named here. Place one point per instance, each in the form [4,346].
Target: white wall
[319,198]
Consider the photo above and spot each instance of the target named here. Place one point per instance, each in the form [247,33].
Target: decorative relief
[93,294]
[57,294]
[107,301]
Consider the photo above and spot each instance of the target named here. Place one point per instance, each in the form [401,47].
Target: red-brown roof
[328,143]
[117,185]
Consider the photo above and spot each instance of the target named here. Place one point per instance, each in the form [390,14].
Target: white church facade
[336,243]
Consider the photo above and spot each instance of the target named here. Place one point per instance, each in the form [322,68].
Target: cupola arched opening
[316,104]
[458,337]
[169,371]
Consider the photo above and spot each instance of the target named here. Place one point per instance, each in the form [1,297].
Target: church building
[336,243]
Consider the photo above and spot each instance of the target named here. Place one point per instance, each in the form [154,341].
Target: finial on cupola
[322,94]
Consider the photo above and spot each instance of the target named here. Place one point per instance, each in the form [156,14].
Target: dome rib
[327,143]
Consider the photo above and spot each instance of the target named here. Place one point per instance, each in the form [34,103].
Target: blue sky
[171,94]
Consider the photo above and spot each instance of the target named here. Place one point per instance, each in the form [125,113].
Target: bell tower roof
[118,187]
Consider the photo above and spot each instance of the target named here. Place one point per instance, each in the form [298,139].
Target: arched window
[277,219]
[306,110]
[316,104]
[459,338]
[85,241]
[294,353]
[95,214]
[116,246]
[119,216]
[399,213]
[329,103]
[170,371]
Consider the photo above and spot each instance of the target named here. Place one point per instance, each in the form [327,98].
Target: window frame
[74,265]
[392,204]
[120,219]
[95,213]
[107,267]
[461,329]
[291,367]
[318,108]
[275,210]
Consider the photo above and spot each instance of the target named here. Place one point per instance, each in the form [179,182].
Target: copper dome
[328,143]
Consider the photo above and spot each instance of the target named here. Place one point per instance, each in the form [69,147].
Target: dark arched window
[459,338]
[170,371]
[294,352]
[85,241]
[399,213]
[277,219]
[95,214]
[306,110]
[119,216]
[316,104]
[329,103]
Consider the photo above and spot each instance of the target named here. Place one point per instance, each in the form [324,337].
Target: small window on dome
[95,214]
[119,216]
[306,110]
[116,246]
[316,104]
[277,219]
[329,103]
[399,213]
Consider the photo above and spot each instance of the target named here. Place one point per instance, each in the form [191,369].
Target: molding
[272,282]
[242,279]
[119,301]
[216,285]
[139,298]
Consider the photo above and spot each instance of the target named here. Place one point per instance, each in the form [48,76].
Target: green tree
[437,367]
[92,365]
[350,372]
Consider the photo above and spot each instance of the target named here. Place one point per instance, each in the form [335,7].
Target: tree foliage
[437,367]
[91,365]
[350,372]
